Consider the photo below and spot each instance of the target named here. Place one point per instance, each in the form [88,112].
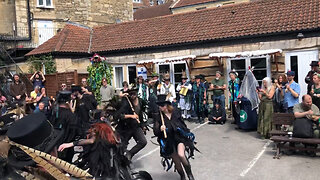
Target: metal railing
[21,36]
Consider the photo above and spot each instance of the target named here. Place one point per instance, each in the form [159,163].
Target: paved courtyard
[227,153]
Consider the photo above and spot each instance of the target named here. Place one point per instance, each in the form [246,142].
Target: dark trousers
[138,136]
[235,114]
[222,120]
[289,110]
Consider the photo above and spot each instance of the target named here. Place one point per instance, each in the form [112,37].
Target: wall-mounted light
[300,36]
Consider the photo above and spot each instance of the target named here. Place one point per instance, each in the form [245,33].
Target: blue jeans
[221,98]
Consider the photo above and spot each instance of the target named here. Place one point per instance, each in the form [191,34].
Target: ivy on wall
[98,69]
[43,62]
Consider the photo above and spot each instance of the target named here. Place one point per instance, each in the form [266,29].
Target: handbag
[303,128]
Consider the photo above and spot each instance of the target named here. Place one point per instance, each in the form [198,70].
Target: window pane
[259,63]
[260,74]
[132,74]
[40,2]
[48,2]
[178,68]
[238,64]
[163,69]
[118,77]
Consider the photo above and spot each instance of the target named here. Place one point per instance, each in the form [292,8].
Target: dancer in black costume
[131,122]
[174,137]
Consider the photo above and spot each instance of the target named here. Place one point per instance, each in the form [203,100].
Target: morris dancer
[184,88]
[167,88]
[174,137]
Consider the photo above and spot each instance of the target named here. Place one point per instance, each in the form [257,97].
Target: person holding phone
[278,98]
[37,80]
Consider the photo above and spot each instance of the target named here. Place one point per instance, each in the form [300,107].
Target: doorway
[299,61]
[45,31]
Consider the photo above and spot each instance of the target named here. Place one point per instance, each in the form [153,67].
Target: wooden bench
[281,138]
[278,120]
[281,141]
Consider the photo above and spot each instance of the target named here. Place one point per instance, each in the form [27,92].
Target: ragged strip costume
[175,140]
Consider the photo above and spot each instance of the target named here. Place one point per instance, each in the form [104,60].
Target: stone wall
[90,13]
[7,17]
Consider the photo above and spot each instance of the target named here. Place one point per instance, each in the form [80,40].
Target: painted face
[162,107]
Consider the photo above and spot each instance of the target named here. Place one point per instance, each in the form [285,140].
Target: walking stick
[162,122]
[132,108]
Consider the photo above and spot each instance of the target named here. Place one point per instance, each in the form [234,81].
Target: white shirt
[162,90]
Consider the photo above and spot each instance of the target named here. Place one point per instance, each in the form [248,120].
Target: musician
[184,89]
[174,136]
[167,88]
[292,92]
[131,122]
[218,85]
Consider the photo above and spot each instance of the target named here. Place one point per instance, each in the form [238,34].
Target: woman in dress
[174,137]
[265,107]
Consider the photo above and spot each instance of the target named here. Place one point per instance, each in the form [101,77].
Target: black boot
[182,176]
[189,172]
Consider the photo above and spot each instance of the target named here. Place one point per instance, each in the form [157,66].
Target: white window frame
[44,5]
[130,65]
[114,76]
[171,67]
[248,63]
[136,1]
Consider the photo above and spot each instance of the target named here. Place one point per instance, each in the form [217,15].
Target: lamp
[300,36]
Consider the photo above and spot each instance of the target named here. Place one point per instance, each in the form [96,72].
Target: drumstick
[162,122]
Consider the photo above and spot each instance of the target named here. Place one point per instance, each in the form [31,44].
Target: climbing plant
[98,69]
[43,62]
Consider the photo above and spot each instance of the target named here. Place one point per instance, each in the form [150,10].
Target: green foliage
[97,71]
[37,63]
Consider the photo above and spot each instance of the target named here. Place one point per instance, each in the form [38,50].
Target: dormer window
[44,3]
[137,1]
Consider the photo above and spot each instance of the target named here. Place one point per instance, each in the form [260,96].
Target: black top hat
[198,77]
[64,96]
[314,63]
[5,122]
[162,99]
[33,131]
[75,88]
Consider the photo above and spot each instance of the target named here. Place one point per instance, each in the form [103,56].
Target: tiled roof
[265,17]
[153,11]
[182,3]
[72,38]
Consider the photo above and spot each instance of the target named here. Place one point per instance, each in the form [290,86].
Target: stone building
[26,24]
[181,6]
[271,35]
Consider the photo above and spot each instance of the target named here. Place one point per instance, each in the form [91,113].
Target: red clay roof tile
[153,11]
[246,19]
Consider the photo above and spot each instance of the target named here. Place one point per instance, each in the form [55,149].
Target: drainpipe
[29,20]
